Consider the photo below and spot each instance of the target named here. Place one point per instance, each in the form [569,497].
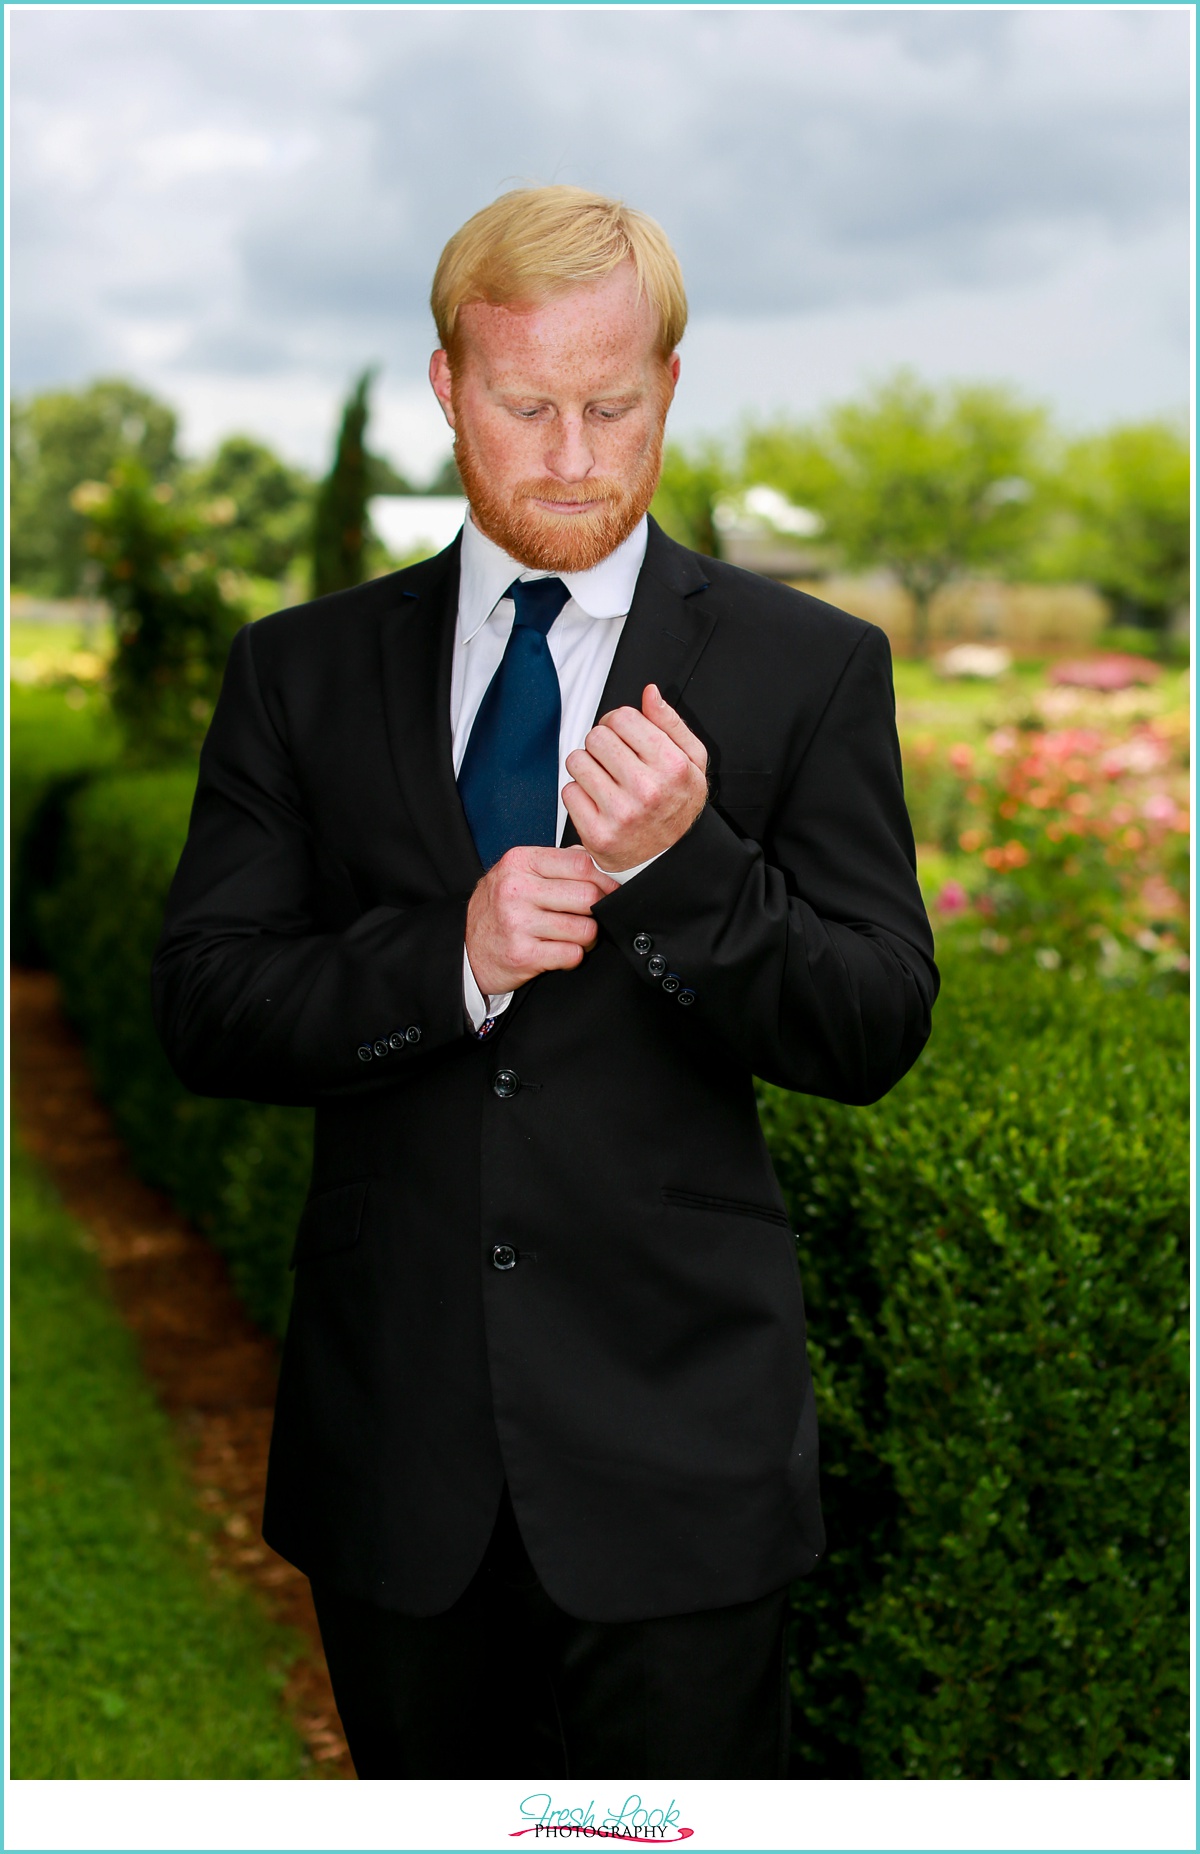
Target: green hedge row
[996,1268]
[995,1261]
[57,740]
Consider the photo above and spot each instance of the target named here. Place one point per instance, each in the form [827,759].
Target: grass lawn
[128,1659]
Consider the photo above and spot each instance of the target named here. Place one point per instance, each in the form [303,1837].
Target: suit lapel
[663,636]
[417,657]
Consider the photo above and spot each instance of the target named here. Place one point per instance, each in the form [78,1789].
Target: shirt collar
[486,573]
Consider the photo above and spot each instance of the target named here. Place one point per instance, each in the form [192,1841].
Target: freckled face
[557,411]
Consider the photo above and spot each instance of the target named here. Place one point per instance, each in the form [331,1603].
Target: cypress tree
[340,512]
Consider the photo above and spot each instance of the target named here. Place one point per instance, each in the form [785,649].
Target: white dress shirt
[583,641]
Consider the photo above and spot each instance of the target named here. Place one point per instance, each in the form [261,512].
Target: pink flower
[962,757]
[1159,808]
[953,899]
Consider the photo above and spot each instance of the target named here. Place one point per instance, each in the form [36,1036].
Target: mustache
[546,489]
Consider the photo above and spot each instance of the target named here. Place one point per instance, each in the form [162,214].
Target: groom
[518,866]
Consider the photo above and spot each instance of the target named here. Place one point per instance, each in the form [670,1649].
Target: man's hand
[531,913]
[639,783]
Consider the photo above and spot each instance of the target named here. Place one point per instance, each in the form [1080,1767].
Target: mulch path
[212,1369]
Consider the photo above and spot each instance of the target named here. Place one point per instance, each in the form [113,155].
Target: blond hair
[536,242]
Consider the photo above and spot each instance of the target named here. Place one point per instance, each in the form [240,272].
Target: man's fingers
[584,814]
[570,865]
[570,897]
[588,772]
[638,733]
[661,713]
[579,930]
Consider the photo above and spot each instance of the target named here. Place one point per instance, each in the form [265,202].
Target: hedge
[57,739]
[239,1170]
[995,1260]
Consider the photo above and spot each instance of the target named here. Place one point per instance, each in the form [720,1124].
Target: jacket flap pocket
[724,1206]
[330,1220]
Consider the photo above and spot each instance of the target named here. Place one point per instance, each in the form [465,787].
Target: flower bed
[1071,826]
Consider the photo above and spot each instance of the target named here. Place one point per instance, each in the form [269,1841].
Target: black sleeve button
[642,944]
[365,1052]
[381,1048]
[656,966]
[685,996]
[413,1033]
[505,1083]
[504,1256]
[672,982]
[396,1040]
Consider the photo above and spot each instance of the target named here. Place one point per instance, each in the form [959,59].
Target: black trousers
[506,1684]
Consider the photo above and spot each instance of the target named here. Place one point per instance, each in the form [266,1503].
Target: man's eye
[610,412]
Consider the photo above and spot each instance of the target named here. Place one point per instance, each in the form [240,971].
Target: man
[519,864]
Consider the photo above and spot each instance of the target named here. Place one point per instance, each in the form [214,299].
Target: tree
[341,525]
[692,483]
[260,509]
[929,484]
[60,439]
[173,623]
[1124,499]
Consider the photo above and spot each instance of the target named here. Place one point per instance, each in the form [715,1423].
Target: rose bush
[1073,838]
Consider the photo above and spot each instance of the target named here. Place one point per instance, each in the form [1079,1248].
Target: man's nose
[570,455]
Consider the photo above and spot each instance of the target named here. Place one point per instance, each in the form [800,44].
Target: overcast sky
[241,207]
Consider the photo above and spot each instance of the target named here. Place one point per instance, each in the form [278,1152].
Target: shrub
[55,745]
[173,622]
[240,1170]
[996,1264]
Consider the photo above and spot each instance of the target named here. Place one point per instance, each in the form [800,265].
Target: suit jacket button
[381,1048]
[505,1084]
[365,1052]
[686,996]
[672,982]
[504,1256]
[396,1040]
[413,1033]
[656,965]
[642,943]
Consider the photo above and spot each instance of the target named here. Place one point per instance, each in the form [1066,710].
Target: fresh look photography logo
[635,1821]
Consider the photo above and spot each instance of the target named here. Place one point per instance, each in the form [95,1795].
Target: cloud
[228,191]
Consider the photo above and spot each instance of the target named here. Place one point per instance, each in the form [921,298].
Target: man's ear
[442,381]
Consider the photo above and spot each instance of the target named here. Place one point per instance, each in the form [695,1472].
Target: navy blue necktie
[508,780]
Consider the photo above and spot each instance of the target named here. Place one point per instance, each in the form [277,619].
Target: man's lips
[566,508]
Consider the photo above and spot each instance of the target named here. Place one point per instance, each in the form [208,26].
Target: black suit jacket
[640,1373]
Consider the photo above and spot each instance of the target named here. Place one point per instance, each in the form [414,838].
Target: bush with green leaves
[239,1170]
[55,745]
[995,1261]
[174,624]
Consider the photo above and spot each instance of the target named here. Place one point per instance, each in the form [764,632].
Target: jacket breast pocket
[331,1220]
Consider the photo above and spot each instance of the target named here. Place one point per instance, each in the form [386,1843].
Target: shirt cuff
[478,1008]
[625,875]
